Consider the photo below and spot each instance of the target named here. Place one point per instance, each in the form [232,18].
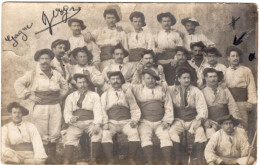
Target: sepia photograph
[140,83]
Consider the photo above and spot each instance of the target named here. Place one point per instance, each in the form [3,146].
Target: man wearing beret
[157,114]
[229,145]
[83,114]
[21,141]
[78,39]
[167,38]
[241,83]
[181,55]
[59,48]
[120,114]
[190,110]
[191,36]
[45,88]
[139,39]
[219,100]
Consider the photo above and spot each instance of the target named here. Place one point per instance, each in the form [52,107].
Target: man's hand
[119,28]
[207,124]
[106,126]
[249,106]
[96,128]
[197,124]
[74,119]
[229,160]
[27,95]
[211,163]
[133,124]
[165,125]
[86,72]
[87,37]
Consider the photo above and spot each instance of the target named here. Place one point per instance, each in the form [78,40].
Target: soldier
[121,114]
[229,145]
[45,88]
[83,114]
[190,110]
[219,100]
[157,114]
[21,141]
[190,25]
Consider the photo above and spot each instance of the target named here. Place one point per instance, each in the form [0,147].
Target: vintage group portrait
[129,83]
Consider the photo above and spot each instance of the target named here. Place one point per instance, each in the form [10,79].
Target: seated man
[83,114]
[21,141]
[220,102]
[229,145]
[120,114]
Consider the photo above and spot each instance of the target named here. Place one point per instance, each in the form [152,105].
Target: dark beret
[212,50]
[38,54]
[198,44]
[60,41]
[119,46]
[137,14]
[17,105]
[152,73]
[210,70]
[233,48]
[77,20]
[189,19]
[84,49]
[116,73]
[228,117]
[112,11]
[168,14]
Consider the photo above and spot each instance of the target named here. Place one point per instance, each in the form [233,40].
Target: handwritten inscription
[64,14]
[239,40]
[233,23]
[13,38]
[251,56]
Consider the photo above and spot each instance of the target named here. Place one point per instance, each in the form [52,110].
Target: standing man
[140,39]
[21,141]
[190,110]
[121,114]
[190,25]
[241,83]
[166,39]
[83,114]
[46,88]
[157,115]
[219,100]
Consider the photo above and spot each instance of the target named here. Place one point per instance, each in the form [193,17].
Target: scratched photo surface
[29,27]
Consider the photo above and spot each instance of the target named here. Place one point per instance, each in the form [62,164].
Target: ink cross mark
[233,23]
[239,40]
[251,56]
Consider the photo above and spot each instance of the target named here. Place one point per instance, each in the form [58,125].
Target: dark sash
[136,54]
[106,52]
[48,97]
[166,54]
[185,113]
[118,113]
[84,114]
[239,94]
[22,147]
[152,110]
[215,112]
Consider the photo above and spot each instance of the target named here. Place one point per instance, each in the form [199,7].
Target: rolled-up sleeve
[210,150]
[64,87]
[103,107]
[97,77]
[68,109]
[201,105]
[232,106]
[251,89]
[168,106]
[22,84]
[98,115]
[134,108]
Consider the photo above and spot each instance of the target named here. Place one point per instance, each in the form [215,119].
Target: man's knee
[107,136]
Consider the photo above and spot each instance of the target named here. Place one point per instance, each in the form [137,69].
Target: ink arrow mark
[239,40]
[233,23]
[251,56]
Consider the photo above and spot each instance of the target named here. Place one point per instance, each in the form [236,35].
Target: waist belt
[48,97]
[152,110]
[22,147]
[185,113]
[84,114]
[118,113]
[239,94]
[106,52]
[215,112]
[166,55]
[136,54]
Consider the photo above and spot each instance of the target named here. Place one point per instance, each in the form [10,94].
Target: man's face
[233,58]
[16,115]
[59,51]
[75,28]
[82,84]
[212,58]
[82,58]
[180,57]
[228,126]
[45,62]
[197,51]
[190,27]
[115,81]
[166,23]
[137,23]
[211,79]
[110,20]
[148,60]
[184,79]
[118,55]
[149,80]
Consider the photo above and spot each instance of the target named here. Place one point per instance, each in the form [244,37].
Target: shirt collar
[40,72]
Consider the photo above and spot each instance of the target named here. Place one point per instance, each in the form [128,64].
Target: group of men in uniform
[107,81]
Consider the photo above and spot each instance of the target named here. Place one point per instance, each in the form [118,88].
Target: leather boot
[177,153]
[95,151]
[200,153]
[46,148]
[167,153]
[68,154]
[133,147]
[52,153]
[148,153]
[108,150]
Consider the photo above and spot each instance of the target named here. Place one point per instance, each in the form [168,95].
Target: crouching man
[121,114]
[21,141]
[83,113]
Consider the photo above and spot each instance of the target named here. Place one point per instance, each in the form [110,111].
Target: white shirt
[188,39]
[142,39]
[165,40]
